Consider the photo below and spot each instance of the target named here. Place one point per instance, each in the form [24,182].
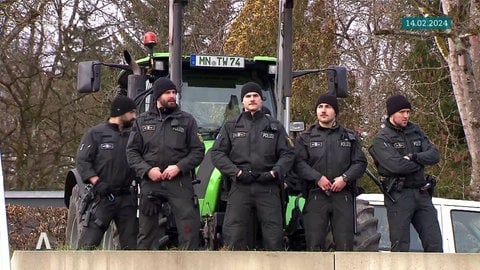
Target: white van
[459,222]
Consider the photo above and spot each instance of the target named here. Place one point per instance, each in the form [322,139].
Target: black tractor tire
[73,228]
[367,237]
[215,237]
[111,239]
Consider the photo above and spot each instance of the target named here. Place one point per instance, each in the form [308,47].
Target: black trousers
[242,200]
[415,207]
[180,196]
[123,210]
[319,211]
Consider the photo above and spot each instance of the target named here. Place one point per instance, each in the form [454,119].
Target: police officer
[401,150]
[164,147]
[254,151]
[102,162]
[329,158]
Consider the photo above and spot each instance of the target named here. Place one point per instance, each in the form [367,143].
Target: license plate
[218,61]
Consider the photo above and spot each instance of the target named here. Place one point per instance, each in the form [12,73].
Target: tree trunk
[464,63]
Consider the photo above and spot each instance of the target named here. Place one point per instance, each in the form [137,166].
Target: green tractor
[211,93]
[209,89]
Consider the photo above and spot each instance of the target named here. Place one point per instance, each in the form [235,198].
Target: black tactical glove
[245,177]
[149,205]
[102,188]
[265,178]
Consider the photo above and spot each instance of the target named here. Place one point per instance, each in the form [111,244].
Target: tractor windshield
[212,94]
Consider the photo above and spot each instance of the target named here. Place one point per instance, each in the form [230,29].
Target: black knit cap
[251,87]
[396,103]
[328,99]
[160,86]
[122,104]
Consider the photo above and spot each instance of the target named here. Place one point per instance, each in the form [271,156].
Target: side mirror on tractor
[337,81]
[88,77]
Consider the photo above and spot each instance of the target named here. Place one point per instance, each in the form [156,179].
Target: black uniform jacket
[329,152]
[252,142]
[160,140]
[102,153]
[391,144]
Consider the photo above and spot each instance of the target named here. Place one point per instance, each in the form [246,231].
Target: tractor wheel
[110,239]
[367,237]
[211,234]
[73,228]
[215,236]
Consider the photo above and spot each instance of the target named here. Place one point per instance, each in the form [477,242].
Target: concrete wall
[405,261]
[238,260]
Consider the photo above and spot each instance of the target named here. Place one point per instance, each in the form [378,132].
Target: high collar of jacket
[319,127]
[254,116]
[164,113]
[113,126]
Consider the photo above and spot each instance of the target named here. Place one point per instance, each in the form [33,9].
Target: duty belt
[412,185]
[121,191]
[399,183]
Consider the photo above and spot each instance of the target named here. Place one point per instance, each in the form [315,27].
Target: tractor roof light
[150,39]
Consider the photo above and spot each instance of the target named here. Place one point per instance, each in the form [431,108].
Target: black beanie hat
[160,86]
[122,104]
[396,103]
[330,100]
[251,87]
